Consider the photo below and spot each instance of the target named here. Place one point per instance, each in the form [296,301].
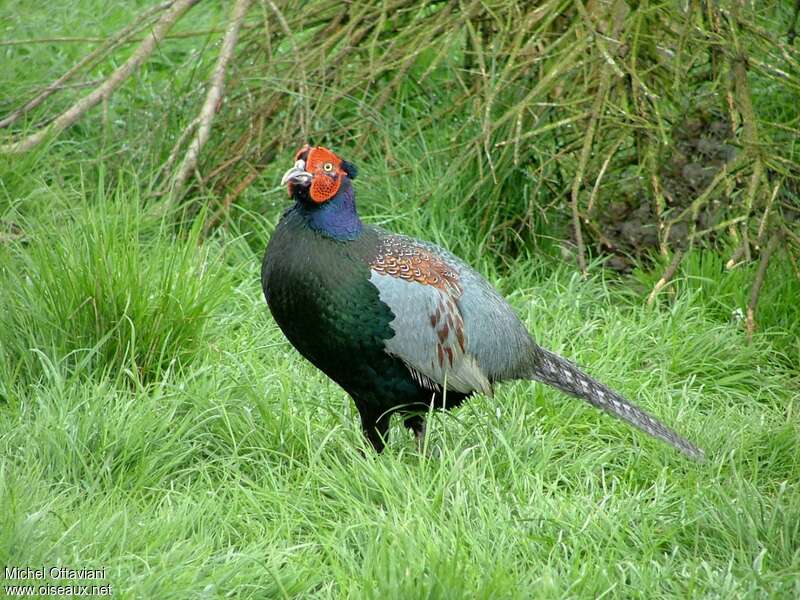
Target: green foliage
[653,125]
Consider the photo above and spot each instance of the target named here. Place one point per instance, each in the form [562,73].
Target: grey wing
[430,335]
[484,340]
[495,335]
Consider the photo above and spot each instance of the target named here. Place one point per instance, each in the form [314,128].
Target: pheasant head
[317,174]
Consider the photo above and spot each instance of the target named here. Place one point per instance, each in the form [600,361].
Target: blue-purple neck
[336,218]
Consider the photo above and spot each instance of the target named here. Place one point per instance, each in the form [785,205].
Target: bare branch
[176,148]
[95,40]
[665,278]
[606,162]
[579,172]
[733,261]
[598,108]
[228,201]
[111,43]
[77,110]
[758,282]
[793,237]
[762,226]
[212,101]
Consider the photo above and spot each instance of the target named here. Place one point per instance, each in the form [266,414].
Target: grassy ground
[155,423]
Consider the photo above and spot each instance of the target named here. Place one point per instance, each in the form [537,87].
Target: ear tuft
[350,169]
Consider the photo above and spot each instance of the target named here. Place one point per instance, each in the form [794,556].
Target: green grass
[154,421]
[243,474]
[100,288]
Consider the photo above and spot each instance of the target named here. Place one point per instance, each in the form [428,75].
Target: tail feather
[561,374]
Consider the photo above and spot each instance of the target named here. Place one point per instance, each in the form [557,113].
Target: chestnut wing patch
[422,291]
[399,257]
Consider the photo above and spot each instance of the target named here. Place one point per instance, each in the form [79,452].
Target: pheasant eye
[327,167]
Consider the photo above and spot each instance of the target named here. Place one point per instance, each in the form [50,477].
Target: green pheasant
[399,323]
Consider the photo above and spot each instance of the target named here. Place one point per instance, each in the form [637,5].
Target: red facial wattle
[319,171]
[327,172]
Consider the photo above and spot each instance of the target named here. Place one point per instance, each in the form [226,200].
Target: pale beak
[297,174]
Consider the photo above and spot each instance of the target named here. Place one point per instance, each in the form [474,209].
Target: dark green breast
[319,292]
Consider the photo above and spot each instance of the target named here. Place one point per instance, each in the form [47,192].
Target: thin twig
[758,282]
[750,137]
[577,181]
[663,228]
[110,43]
[77,110]
[228,201]
[79,84]
[792,235]
[762,226]
[597,111]
[212,101]
[733,261]
[706,195]
[94,40]
[598,39]
[665,278]
[176,148]
[606,162]
[300,68]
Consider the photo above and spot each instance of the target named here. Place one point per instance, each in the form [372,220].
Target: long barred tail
[558,372]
